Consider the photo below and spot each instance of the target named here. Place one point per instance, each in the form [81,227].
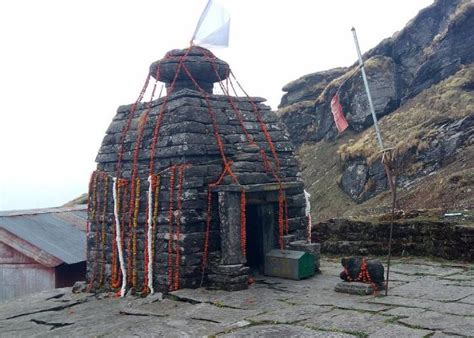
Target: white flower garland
[307,195]
[117,239]
[150,236]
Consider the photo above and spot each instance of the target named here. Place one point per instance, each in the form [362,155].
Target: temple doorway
[261,234]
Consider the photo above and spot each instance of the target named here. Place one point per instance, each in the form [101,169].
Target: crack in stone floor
[426,298]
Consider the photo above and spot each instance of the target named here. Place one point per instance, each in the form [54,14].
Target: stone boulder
[452,48]
[362,179]
[433,46]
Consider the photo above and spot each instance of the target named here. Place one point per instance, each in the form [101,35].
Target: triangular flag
[339,119]
[212,29]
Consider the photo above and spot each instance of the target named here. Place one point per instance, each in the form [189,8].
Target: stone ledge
[355,288]
[258,187]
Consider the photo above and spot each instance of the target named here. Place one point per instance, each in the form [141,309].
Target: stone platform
[426,297]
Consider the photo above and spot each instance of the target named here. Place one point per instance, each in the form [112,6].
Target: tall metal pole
[366,84]
[383,150]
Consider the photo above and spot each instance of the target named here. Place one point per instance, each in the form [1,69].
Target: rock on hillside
[433,46]
[422,83]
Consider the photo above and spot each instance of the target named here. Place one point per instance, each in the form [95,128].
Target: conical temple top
[199,67]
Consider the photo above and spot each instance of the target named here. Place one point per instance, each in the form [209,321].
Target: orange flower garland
[280,218]
[145,289]
[93,211]
[208,219]
[178,226]
[90,192]
[363,275]
[155,215]
[175,228]
[243,224]
[134,238]
[127,126]
[104,228]
[114,278]
[170,230]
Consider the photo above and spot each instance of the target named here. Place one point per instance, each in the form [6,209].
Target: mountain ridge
[422,83]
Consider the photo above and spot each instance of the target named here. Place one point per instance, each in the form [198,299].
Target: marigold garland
[104,229]
[209,219]
[175,228]
[134,238]
[126,128]
[115,278]
[89,208]
[119,233]
[237,112]
[147,230]
[94,197]
[150,229]
[155,210]
[212,115]
[138,142]
[178,226]
[243,224]
[282,219]
[170,230]
[129,247]
[363,276]
[159,120]
[93,212]
[263,127]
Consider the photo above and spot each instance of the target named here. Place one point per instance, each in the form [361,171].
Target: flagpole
[392,183]
[366,84]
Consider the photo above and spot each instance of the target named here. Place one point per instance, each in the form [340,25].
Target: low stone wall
[443,239]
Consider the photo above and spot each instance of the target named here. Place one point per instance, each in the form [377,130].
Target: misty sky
[65,67]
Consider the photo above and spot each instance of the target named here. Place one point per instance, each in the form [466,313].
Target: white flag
[212,29]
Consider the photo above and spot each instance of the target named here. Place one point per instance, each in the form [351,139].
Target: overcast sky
[65,67]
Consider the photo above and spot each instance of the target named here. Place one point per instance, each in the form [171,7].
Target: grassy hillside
[414,124]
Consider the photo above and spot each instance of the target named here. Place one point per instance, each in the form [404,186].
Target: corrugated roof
[58,231]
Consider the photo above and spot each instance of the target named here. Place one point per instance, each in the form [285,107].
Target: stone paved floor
[426,298]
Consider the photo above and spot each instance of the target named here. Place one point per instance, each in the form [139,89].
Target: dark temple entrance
[232,270]
[261,234]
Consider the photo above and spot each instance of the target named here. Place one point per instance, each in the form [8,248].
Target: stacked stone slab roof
[186,163]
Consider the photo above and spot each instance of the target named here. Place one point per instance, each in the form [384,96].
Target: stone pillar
[230,274]
[229,213]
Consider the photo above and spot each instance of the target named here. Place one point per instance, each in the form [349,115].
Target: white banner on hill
[213,26]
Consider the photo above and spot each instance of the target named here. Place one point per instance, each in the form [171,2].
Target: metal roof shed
[41,249]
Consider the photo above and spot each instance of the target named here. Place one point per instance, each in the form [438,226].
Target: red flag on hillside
[339,119]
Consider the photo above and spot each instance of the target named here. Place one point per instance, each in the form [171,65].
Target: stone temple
[192,188]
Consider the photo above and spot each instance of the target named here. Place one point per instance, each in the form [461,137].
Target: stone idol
[365,276]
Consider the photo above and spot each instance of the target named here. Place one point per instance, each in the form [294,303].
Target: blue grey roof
[58,231]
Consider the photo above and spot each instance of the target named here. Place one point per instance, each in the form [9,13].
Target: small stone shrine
[192,188]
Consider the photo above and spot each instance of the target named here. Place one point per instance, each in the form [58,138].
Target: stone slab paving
[468,300]
[450,324]
[355,322]
[425,270]
[274,331]
[396,331]
[426,299]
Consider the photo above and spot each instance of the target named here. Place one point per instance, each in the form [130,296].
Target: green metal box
[289,264]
